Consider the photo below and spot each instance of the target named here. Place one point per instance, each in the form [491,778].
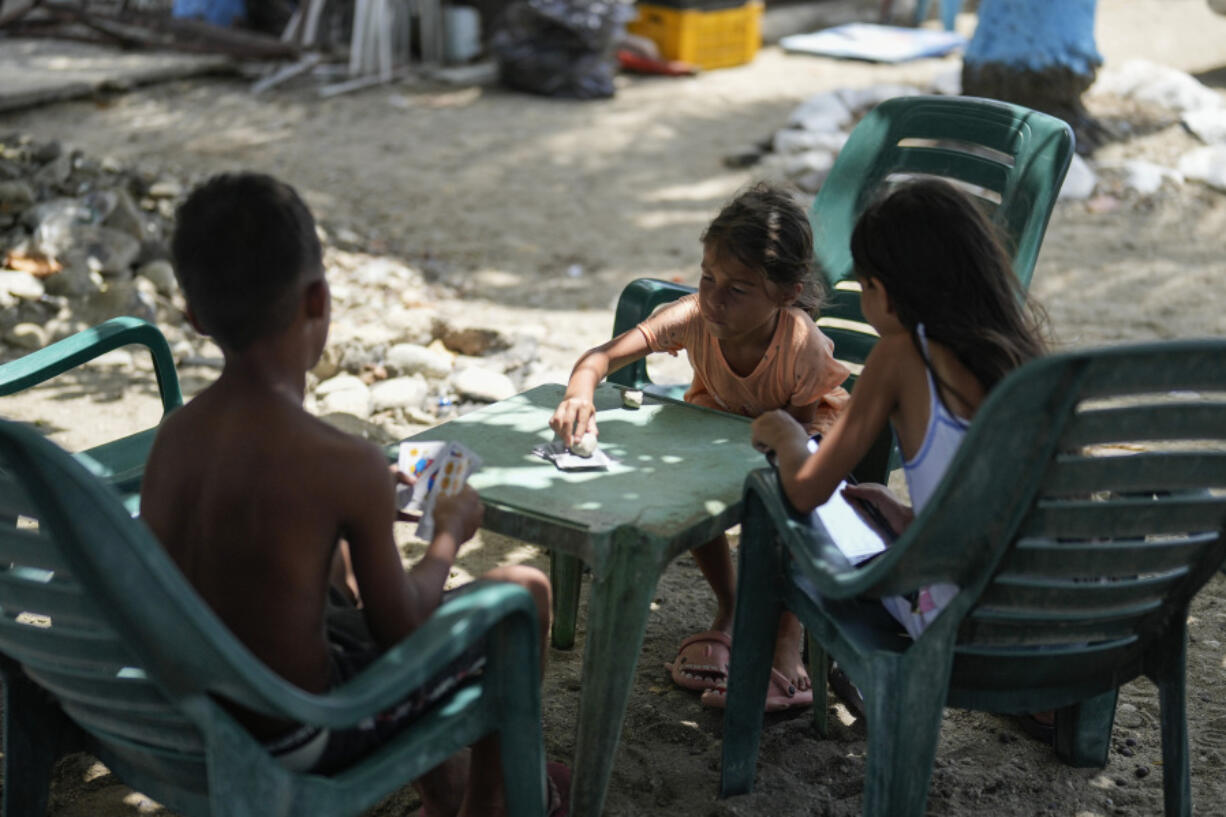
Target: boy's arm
[396,602]
[576,414]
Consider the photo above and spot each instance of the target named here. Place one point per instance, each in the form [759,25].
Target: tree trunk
[1037,53]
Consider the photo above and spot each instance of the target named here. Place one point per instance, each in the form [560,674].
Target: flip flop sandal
[702,661]
[780,695]
[557,776]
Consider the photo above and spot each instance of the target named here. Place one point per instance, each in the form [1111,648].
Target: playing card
[559,455]
[442,469]
[418,459]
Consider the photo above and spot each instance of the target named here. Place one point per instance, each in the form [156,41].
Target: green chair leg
[819,668]
[565,575]
[1083,731]
[903,709]
[756,622]
[1170,674]
[36,735]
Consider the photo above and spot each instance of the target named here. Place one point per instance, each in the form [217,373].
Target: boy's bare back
[250,495]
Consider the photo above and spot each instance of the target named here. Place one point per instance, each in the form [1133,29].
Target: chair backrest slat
[161,728]
[1056,559]
[28,547]
[36,592]
[1126,516]
[986,629]
[1072,475]
[127,692]
[35,641]
[1168,421]
[1043,598]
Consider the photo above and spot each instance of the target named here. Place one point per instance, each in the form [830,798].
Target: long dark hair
[765,228]
[943,265]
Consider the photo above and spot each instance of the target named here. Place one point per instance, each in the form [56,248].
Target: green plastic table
[676,484]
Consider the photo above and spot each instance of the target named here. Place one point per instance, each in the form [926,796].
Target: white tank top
[941,440]
[924,472]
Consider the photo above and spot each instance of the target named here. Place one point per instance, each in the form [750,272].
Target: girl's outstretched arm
[576,414]
[810,479]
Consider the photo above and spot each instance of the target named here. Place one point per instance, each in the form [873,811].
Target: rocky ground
[476,240]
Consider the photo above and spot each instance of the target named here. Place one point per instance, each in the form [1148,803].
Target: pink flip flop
[558,777]
[702,661]
[780,695]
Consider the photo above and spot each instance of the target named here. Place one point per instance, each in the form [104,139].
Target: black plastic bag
[560,48]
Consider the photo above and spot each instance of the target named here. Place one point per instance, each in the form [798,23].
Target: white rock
[809,170]
[412,358]
[863,99]
[1209,124]
[1207,164]
[795,140]
[1146,178]
[348,401]
[585,446]
[948,83]
[386,272]
[398,392]
[26,336]
[166,188]
[821,112]
[485,385]
[342,382]
[161,274]
[1157,84]
[21,285]
[1080,182]
[415,325]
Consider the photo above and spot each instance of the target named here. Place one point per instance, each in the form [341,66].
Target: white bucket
[461,33]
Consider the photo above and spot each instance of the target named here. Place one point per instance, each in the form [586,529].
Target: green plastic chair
[120,462]
[1077,558]
[106,648]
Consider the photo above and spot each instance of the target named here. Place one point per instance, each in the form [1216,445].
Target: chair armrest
[638,300]
[88,344]
[457,625]
[813,552]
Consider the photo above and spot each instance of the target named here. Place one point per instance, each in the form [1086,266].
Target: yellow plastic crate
[714,38]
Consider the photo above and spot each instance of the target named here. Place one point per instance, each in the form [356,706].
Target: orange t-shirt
[798,368]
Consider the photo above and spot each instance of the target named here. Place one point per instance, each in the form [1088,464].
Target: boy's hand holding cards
[436,468]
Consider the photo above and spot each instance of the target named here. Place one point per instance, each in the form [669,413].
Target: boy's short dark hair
[242,241]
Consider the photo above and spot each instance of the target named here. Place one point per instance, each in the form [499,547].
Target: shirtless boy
[269,511]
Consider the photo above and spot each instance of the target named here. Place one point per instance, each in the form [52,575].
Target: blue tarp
[217,12]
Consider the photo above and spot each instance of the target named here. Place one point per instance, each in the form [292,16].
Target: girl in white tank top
[940,291]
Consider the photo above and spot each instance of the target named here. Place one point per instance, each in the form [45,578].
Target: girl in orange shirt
[753,345]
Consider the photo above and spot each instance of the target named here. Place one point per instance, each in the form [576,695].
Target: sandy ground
[502,193]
